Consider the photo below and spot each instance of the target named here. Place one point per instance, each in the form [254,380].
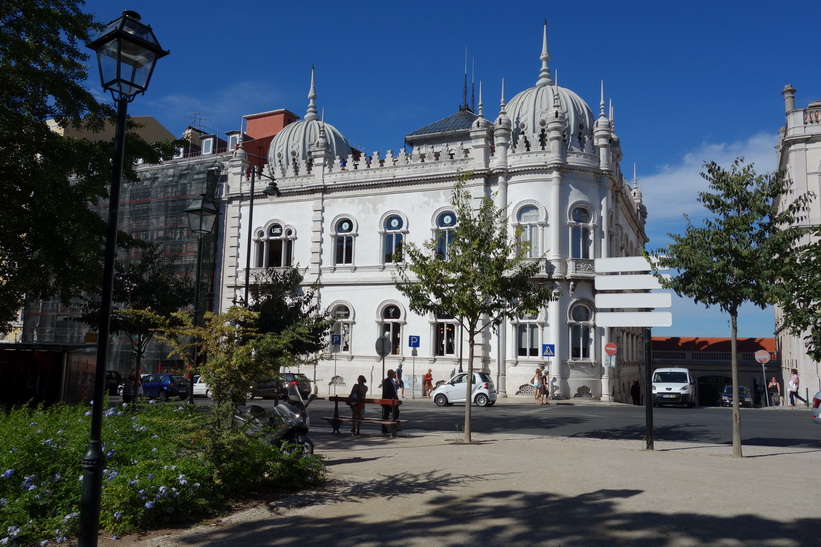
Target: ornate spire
[481,104]
[502,103]
[544,73]
[601,102]
[311,114]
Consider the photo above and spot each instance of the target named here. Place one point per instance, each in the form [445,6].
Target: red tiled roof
[712,344]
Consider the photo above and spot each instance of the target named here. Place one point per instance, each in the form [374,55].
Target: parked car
[165,386]
[276,386]
[745,398]
[112,381]
[816,408]
[201,389]
[483,392]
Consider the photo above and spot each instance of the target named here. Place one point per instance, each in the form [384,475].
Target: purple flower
[149,505]
[8,473]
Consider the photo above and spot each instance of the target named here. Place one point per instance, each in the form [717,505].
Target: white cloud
[673,191]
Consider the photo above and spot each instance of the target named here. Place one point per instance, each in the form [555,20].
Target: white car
[816,408]
[454,390]
[201,389]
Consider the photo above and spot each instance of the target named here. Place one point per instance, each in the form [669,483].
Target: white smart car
[816,408]
[454,390]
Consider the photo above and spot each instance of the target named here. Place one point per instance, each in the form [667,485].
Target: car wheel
[440,400]
[481,400]
[163,396]
[207,393]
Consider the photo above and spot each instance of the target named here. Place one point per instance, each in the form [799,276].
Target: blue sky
[690,81]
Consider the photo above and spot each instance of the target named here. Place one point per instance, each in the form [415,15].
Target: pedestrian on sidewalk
[389,412]
[399,382]
[774,389]
[545,389]
[536,381]
[795,385]
[428,381]
[635,393]
[359,391]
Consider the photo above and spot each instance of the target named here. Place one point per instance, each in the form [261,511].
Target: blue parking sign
[336,339]
[413,341]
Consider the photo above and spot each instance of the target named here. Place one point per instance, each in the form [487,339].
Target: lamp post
[127,51]
[270,190]
[202,214]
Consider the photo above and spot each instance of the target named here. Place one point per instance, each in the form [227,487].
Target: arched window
[580,331]
[393,239]
[445,336]
[343,249]
[342,326]
[444,232]
[580,241]
[527,335]
[275,247]
[392,327]
[528,219]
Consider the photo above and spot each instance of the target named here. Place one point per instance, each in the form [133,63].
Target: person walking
[635,392]
[428,382]
[536,381]
[389,412]
[399,382]
[128,389]
[545,389]
[359,392]
[774,390]
[795,385]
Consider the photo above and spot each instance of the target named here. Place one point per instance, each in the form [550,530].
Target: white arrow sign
[625,264]
[634,300]
[627,282]
[634,319]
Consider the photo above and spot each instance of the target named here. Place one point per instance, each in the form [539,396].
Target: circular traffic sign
[610,349]
[383,346]
[762,356]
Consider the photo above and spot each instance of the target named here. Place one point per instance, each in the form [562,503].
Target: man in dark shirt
[389,412]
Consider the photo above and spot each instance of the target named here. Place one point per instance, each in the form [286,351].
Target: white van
[673,386]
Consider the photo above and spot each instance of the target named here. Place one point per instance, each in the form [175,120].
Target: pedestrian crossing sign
[548,350]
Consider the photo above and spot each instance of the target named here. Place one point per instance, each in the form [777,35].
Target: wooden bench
[336,420]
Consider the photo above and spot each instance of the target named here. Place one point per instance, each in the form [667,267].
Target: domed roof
[295,140]
[529,110]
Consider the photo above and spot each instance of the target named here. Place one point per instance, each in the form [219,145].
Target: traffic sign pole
[763,357]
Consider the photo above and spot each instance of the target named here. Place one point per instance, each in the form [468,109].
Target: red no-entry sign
[762,356]
[610,349]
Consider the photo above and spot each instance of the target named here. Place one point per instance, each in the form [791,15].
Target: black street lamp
[127,51]
[202,214]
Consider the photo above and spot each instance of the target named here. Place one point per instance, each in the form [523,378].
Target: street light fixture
[127,51]
[202,214]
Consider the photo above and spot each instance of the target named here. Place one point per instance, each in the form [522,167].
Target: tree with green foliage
[480,275]
[737,256]
[51,243]
[289,312]
[800,294]
[149,282]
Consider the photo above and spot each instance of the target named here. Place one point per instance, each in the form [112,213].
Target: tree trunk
[734,364]
[469,388]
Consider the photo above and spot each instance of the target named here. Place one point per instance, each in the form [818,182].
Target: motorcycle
[286,426]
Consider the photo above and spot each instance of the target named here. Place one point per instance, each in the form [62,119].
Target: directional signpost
[383,348]
[336,344]
[413,343]
[624,291]
[610,349]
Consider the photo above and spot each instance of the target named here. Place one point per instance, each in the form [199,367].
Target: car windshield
[670,377]
[300,378]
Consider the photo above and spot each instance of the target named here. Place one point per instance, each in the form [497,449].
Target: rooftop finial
[311,114]
[481,106]
[502,103]
[544,73]
[601,102]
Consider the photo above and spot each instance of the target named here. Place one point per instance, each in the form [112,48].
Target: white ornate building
[799,155]
[546,157]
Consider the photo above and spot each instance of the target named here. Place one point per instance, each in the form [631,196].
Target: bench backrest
[391,402]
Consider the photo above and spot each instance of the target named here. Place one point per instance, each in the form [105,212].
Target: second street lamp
[127,51]
[202,215]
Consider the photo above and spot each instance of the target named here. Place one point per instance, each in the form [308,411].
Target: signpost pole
[763,357]
[648,386]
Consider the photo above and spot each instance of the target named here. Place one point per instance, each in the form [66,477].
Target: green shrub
[165,463]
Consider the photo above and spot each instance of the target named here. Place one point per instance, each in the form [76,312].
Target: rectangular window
[344,250]
[445,339]
[393,247]
[207,147]
[580,342]
[581,242]
[528,340]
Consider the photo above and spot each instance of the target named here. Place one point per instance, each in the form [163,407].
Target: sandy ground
[430,488]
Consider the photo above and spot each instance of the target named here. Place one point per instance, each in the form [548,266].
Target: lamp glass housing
[127,52]
[202,214]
